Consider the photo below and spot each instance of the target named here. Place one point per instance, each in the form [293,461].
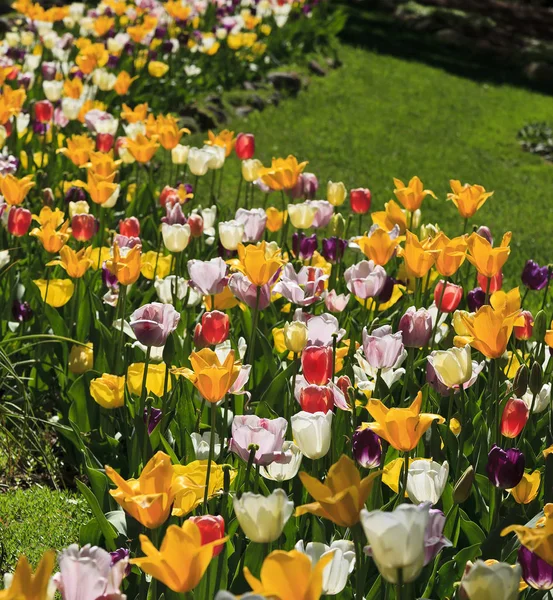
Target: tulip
[407,523]
[382,348]
[84,227]
[108,391]
[434,539]
[245,146]
[365,279]
[315,398]
[208,277]
[265,435]
[453,367]
[231,234]
[416,327]
[81,358]
[302,288]
[284,471]
[541,401]
[451,255]
[246,292]
[514,417]
[126,266]
[524,332]
[201,444]
[533,276]
[262,518]
[250,169]
[181,545]
[283,173]
[527,489]
[21,311]
[366,448]
[259,263]
[215,327]
[487,260]
[490,284]
[419,257]
[216,157]
[467,198]
[295,336]
[483,581]
[317,364]
[411,195]
[152,417]
[360,200]
[312,433]
[476,298]
[303,246]
[310,185]
[426,481]
[44,111]
[336,193]
[196,224]
[302,215]
[336,302]
[15,190]
[212,528]
[155,379]
[130,227]
[19,221]
[141,148]
[179,154]
[536,572]
[254,221]
[55,292]
[25,584]
[335,574]
[333,249]
[175,237]
[538,539]
[153,323]
[379,245]
[341,496]
[505,468]
[447,296]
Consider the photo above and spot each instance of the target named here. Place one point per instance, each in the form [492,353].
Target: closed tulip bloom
[426,481]
[488,260]
[482,581]
[208,277]
[275,219]
[198,160]
[19,221]
[342,495]
[419,257]
[245,146]
[84,227]
[81,358]
[246,292]
[104,142]
[182,559]
[514,417]
[179,154]
[467,198]
[505,468]
[402,428]
[533,276]
[231,234]
[316,364]
[535,571]
[129,227]
[153,323]
[254,221]
[382,348]
[216,157]
[267,435]
[302,215]
[407,523]
[416,327]
[215,327]
[366,448]
[365,279]
[196,224]
[336,302]
[303,247]
[212,528]
[476,298]
[250,169]
[447,296]
[524,332]
[259,263]
[312,433]
[175,237]
[262,518]
[108,391]
[44,111]
[284,471]
[360,200]
[379,245]
[453,367]
[55,292]
[335,574]
[316,398]
[295,336]
[336,193]
[155,379]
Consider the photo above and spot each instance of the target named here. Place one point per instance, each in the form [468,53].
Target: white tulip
[216,156]
[302,215]
[179,154]
[396,540]
[22,122]
[198,160]
[80,207]
[201,445]
[4,258]
[542,401]
[27,38]
[52,90]
[107,126]
[175,237]
[133,129]
[76,10]
[167,286]
[12,38]
[32,61]
[335,574]
[71,107]
[262,518]
[426,481]
[283,472]
[231,234]
[104,79]
[491,582]
[312,432]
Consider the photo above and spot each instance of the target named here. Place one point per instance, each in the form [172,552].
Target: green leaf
[105,526]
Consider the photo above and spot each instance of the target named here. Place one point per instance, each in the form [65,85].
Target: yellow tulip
[223,301]
[103,165]
[467,198]
[487,260]
[78,149]
[55,292]
[126,268]
[155,379]
[283,173]
[527,489]
[52,240]
[47,216]
[25,585]
[141,148]
[181,561]
[211,378]
[342,495]
[537,539]
[73,88]
[157,68]
[258,262]
[289,576]
[81,358]
[108,391]
[99,256]
[149,261]
[402,428]
[103,24]
[379,247]
[391,215]
[336,193]
[15,190]
[275,219]
[419,257]
[452,253]
[411,196]
[76,264]
[391,473]
[102,190]
[225,139]
[123,83]
[136,114]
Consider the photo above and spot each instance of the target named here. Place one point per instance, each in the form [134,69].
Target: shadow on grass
[381,32]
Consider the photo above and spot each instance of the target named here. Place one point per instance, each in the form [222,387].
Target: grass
[379,116]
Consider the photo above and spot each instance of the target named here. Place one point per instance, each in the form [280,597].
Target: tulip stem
[122,302]
[211,451]
[549,273]
[143,407]
[251,347]
[237,197]
[253,449]
[400,587]
[359,579]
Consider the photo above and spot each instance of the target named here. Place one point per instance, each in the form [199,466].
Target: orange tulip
[411,196]
[452,253]
[15,190]
[488,260]
[283,173]
[125,267]
[467,198]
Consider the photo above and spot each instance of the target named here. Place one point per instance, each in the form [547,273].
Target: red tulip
[316,398]
[344,383]
[104,142]
[199,340]
[360,200]
[19,221]
[215,327]
[495,282]
[514,417]
[524,332]
[168,194]
[245,146]
[196,225]
[130,227]
[211,529]
[447,300]
[316,363]
[84,227]
[44,111]
[8,127]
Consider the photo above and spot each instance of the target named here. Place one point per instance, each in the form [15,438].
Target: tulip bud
[494,282]
[130,227]
[520,384]
[337,225]
[416,327]
[536,378]
[514,417]
[199,340]
[44,111]
[447,296]
[211,528]
[336,193]
[540,326]
[485,232]
[84,227]
[524,332]
[367,448]
[245,146]
[360,200]
[196,223]
[19,221]
[81,359]
[505,468]
[316,363]
[463,487]
[476,299]
[344,384]
[295,336]
[316,398]
[215,327]
[48,196]
[104,142]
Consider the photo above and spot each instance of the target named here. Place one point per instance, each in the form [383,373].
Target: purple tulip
[48,71]
[303,246]
[173,214]
[416,327]
[535,571]
[109,279]
[533,276]
[382,348]
[365,279]
[302,288]
[266,435]
[246,291]
[254,221]
[485,232]
[21,311]
[154,418]
[333,249]
[366,448]
[124,241]
[505,468]
[208,276]
[121,554]
[75,194]
[434,539]
[8,164]
[476,299]
[153,323]
[387,290]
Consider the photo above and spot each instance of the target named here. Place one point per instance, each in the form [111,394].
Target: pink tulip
[336,302]
[382,348]
[321,329]
[249,431]
[325,210]
[246,291]
[365,279]
[303,288]
[416,327]
[208,276]
[153,323]
[254,221]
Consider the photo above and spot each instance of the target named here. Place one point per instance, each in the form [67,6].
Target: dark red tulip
[130,227]
[245,146]
[84,227]
[524,332]
[316,398]
[19,221]
[104,142]
[211,528]
[316,363]
[514,417]
[495,282]
[199,340]
[44,111]
[366,448]
[196,225]
[505,468]
[344,383]
[360,200]
[215,327]
[447,300]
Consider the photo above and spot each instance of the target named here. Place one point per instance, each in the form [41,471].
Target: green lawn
[375,118]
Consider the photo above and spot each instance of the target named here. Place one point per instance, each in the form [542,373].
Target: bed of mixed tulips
[268,395]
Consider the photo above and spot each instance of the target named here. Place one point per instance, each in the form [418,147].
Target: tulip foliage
[282,392]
